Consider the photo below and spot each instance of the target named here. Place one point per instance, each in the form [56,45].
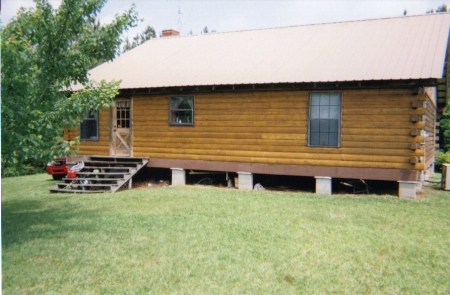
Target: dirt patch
[152,183]
[430,189]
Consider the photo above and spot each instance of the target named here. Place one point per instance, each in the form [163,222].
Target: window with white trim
[181,110]
[324,128]
[89,127]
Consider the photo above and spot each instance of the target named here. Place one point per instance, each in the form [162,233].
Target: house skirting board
[291,170]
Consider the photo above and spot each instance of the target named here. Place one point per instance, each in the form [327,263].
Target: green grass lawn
[205,240]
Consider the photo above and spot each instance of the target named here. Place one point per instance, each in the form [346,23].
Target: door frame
[113,126]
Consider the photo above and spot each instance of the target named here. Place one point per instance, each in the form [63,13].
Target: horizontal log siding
[100,147]
[271,128]
[430,126]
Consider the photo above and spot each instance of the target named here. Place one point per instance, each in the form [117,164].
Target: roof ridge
[305,25]
[341,22]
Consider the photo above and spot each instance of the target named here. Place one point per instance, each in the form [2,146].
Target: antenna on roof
[179,23]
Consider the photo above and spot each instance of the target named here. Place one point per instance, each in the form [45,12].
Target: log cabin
[347,100]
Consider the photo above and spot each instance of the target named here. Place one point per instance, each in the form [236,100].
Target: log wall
[100,147]
[430,129]
[271,128]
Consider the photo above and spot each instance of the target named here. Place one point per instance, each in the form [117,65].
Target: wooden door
[121,129]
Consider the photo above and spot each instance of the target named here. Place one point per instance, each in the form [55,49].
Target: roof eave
[309,86]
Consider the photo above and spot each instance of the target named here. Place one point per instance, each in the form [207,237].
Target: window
[324,119]
[89,127]
[181,110]
[123,119]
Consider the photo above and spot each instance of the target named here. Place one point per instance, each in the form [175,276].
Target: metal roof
[409,47]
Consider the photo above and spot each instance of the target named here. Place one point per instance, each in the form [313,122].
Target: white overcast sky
[233,15]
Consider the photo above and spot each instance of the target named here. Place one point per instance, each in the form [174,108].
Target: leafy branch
[44,51]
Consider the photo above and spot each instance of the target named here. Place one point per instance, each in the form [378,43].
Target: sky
[191,16]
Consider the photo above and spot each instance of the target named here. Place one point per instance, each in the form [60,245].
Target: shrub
[442,158]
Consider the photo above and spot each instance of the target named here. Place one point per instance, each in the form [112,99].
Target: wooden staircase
[102,174]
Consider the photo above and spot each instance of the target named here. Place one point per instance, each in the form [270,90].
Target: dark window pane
[181,110]
[324,119]
[324,125]
[333,139]
[89,127]
[314,125]
[334,126]
[323,138]
[314,138]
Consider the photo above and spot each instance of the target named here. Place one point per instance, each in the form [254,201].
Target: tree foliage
[442,8]
[445,129]
[444,119]
[44,52]
[147,34]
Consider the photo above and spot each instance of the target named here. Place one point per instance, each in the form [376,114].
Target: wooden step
[103,173]
[108,185]
[74,191]
[116,160]
[93,179]
[127,168]
[113,174]
[111,164]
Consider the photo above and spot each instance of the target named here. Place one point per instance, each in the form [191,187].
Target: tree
[147,34]
[44,52]
[442,8]
[444,119]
